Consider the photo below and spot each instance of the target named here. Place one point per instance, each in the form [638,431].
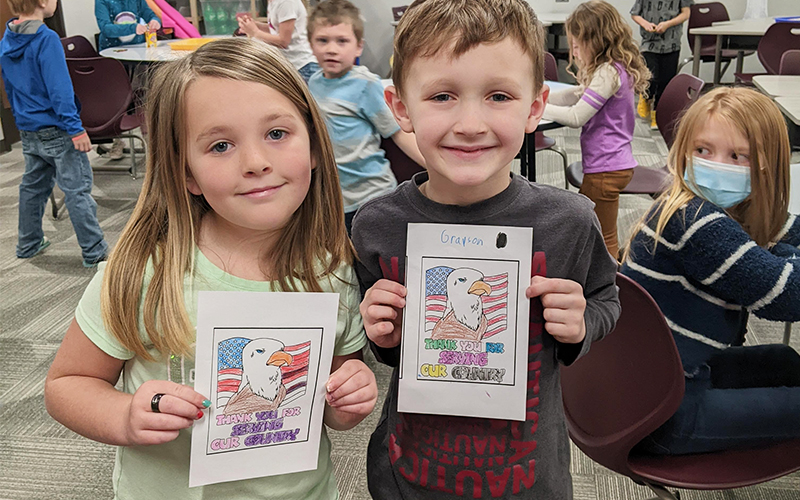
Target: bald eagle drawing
[464,317]
[261,388]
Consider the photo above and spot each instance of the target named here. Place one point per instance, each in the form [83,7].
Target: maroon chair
[397,12]
[628,385]
[542,142]
[790,63]
[104,90]
[702,15]
[78,47]
[402,166]
[779,38]
[680,92]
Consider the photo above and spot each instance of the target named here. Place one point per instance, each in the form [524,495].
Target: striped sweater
[707,274]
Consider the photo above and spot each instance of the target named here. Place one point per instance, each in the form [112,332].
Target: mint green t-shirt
[162,471]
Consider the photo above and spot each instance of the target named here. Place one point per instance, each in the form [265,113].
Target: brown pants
[603,189]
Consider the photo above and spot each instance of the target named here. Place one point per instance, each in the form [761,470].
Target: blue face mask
[722,184]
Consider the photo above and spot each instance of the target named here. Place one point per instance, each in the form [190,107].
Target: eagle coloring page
[263,361]
[465,324]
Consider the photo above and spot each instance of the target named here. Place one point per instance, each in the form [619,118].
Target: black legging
[663,67]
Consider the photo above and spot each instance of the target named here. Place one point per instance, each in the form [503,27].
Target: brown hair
[166,220]
[429,26]
[763,213]
[333,12]
[599,27]
[23,7]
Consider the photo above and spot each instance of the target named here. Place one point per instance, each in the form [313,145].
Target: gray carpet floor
[41,459]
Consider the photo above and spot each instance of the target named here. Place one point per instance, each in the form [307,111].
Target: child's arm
[564,306]
[407,142]
[791,231]
[675,21]
[79,393]
[605,83]
[150,17]
[106,23]
[351,392]
[53,68]
[644,23]
[257,31]
[565,97]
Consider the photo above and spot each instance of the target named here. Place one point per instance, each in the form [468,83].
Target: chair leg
[563,154]
[662,493]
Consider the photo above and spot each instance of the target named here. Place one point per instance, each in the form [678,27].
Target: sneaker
[117,151]
[90,264]
[644,107]
[653,124]
[42,245]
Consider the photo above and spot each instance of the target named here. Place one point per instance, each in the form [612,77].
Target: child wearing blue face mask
[718,245]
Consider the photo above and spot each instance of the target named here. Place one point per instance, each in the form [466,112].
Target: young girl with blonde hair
[718,245]
[241,194]
[610,71]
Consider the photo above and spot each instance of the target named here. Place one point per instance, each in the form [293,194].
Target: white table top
[742,27]
[794,189]
[790,107]
[137,52]
[550,18]
[778,85]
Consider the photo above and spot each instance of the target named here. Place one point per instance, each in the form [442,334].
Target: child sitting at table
[54,143]
[351,98]
[610,70]
[716,246]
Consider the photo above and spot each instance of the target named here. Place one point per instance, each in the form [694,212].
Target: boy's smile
[470,115]
[335,48]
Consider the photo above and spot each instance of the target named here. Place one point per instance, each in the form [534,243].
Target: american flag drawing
[495,305]
[229,374]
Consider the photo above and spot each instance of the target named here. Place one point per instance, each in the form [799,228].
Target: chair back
[78,47]
[397,12]
[402,166]
[679,94]
[628,384]
[702,15]
[550,67]
[790,63]
[779,38]
[104,90]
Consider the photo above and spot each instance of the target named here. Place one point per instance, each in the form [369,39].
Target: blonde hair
[607,38]
[430,26]
[23,7]
[333,12]
[166,220]
[758,119]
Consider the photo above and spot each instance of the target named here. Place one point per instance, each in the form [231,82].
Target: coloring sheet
[465,325]
[263,360]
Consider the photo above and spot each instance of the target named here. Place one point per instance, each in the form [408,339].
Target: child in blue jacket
[118,21]
[54,142]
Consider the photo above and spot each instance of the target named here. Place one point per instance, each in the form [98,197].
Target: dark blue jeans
[51,157]
[744,397]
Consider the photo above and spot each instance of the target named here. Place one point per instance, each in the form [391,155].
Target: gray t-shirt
[657,11]
[413,456]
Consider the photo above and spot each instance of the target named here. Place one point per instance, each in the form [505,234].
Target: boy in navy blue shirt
[54,142]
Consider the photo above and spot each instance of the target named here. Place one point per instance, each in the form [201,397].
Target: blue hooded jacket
[37,81]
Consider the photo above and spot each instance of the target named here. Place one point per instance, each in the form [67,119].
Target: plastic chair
[790,63]
[680,92]
[397,12]
[402,166]
[78,47]
[702,15]
[104,90]
[542,142]
[642,386]
[779,38]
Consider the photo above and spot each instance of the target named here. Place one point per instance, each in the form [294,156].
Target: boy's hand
[178,408]
[140,29]
[82,143]
[153,25]
[661,27]
[352,389]
[564,305]
[381,312]
[247,25]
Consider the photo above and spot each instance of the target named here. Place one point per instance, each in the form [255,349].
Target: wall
[378,31]
[79,18]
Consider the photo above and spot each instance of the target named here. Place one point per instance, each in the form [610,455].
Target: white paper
[465,325]
[755,9]
[263,360]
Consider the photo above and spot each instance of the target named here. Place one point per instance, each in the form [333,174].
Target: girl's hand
[247,25]
[564,305]
[178,408]
[352,389]
[381,312]
[140,29]
[153,25]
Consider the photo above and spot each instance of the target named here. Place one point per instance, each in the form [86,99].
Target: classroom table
[790,106]
[740,35]
[778,85]
[139,53]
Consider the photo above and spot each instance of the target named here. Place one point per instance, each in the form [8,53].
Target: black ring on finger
[154,403]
